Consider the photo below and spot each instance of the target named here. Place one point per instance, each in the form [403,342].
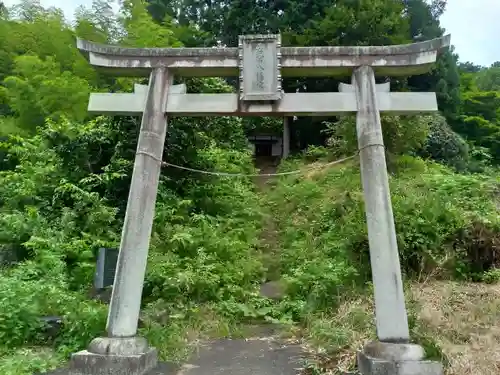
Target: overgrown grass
[441,220]
[203,272]
[456,322]
[447,227]
[29,360]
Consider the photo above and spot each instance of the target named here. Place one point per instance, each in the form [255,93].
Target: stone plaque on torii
[259,61]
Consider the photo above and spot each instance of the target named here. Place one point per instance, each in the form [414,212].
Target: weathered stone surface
[125,303]
[373,366]
[162,368]
[87,363]
[126,104]
[381,358]
[260,59]
[123,346]
[381,87]
[408,59]
[394,352]
[300,104]
[390,311]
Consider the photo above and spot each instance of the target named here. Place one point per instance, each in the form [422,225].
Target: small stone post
[286,138]
[390,310]
[122,352]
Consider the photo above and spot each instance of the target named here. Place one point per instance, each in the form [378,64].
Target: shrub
[314,153]
[444,145]
[402,134]
[29,361]
[323,227]
[62,197]
[25,300]
[22,306]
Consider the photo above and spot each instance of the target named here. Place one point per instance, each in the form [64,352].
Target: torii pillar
[122,352]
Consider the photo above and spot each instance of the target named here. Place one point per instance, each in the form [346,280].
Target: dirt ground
[465,319]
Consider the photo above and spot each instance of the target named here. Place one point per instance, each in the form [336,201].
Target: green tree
[308,23]
[444,78]
[479,115]
[489,79]
[97,24]
[141,31]
[469,67]
[39,90]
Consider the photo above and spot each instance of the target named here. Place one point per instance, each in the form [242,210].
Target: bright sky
[474,26]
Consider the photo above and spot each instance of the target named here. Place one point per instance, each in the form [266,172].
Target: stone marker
[107,259]
[286,138]
[51,326]
[8,257]
[260,62]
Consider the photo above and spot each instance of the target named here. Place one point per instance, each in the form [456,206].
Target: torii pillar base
[379,358]
[113,356]
[117,356]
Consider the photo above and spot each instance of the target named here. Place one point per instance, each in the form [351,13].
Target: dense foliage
[64,176]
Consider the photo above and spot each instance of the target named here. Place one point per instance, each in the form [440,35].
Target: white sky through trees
[474,25]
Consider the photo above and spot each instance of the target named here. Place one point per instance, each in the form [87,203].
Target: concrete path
[255,356]
[243,357]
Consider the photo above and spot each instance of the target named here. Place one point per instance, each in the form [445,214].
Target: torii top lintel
[393,60]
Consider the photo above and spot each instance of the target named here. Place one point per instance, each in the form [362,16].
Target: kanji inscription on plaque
[260,78]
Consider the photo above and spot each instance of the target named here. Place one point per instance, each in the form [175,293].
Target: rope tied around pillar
[150,143]
[370,145]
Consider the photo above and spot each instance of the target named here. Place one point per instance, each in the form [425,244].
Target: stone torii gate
[260,62]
